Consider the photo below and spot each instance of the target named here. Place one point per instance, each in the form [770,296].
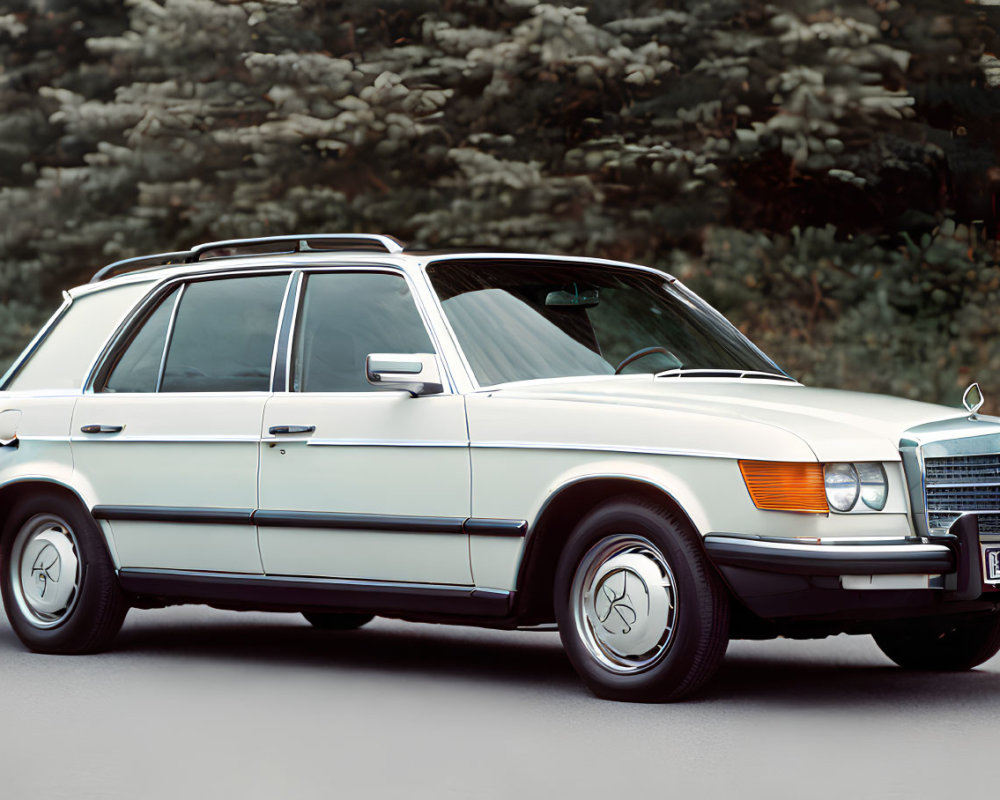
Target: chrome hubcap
[45,570]
[624,603]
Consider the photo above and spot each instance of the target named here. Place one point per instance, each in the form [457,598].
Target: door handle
[274,430]
[102,428]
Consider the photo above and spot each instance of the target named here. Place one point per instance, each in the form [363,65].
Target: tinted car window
[344,318]
[138,368]
[223,335]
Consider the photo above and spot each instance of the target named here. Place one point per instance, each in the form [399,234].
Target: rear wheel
[937,646]
[337,622]
[58,584]
[641,614]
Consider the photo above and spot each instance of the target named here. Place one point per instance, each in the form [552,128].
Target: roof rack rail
[264,245]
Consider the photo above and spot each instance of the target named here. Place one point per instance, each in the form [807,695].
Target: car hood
[836,425]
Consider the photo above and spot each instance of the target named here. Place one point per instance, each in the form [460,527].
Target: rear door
[169,437]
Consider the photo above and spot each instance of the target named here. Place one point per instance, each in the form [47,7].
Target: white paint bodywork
[371,453]
[484,452]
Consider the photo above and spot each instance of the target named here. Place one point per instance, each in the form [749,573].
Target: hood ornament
[973,399]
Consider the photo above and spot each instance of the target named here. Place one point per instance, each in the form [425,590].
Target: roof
[295,250]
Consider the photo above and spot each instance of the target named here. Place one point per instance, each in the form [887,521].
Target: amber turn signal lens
[780,486]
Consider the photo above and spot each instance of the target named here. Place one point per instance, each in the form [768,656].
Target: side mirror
[416,373]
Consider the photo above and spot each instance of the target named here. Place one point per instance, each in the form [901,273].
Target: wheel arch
[13,491]
[558,516]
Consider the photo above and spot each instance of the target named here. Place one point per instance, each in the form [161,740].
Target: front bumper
[854,580]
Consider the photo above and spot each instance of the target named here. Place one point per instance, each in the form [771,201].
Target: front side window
[346,316]
[521,320]
[221,339]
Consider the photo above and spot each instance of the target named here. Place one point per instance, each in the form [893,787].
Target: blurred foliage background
[824,173]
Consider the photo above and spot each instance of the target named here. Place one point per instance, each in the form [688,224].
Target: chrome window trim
[293,280]
[166,339]
[419,302]
[293,329]
[160,289]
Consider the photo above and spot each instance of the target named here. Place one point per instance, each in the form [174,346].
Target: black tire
[96,608]
[693,636]
[937,646]
[337,622]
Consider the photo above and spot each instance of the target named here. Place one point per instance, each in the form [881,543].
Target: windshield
[520,320]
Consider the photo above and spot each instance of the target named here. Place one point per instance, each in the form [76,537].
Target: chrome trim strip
[166,438]
[166,339]
[841,548]
[281,322]
[373,443]
[834,560]
[293,329]
[602,448]
[972,485]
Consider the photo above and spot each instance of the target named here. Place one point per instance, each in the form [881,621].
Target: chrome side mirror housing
[416,373]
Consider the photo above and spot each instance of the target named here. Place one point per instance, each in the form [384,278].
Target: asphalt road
[197,703]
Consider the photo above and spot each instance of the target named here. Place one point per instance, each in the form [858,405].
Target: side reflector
[780,486]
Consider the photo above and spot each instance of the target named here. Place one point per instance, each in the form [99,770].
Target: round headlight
[842,486]
[874,485]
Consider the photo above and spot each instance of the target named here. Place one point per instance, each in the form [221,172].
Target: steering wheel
[645,351]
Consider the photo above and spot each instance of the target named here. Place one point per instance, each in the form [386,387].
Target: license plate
[991,564]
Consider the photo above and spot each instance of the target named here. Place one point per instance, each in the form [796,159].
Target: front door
[356,483]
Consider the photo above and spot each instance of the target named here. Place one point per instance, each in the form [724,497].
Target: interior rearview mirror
[416,373]
[573,298]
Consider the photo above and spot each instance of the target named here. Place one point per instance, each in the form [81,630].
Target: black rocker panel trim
[496,527]
[367,522]
[270,591]
[314,519]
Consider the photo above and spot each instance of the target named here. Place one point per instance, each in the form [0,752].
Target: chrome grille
[964,469]
[958,484]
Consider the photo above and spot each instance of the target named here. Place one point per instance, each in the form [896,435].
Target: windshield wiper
[691,372]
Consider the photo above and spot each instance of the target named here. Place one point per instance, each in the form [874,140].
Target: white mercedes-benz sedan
[332,425]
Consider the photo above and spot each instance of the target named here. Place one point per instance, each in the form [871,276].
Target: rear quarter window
[63,358]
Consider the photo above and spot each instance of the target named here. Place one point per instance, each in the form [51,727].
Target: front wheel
[641,614]
[58,584]
[942,647]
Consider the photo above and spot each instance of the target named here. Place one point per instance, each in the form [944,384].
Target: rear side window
[138,367]
[206,336]
[347,316]
[223,335]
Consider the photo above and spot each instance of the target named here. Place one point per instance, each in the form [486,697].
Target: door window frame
[285,334]
[287,339]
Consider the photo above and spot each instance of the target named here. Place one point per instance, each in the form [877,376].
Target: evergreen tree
[826,174]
